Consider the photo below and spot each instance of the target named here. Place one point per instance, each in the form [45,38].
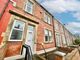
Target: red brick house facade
[62,35]
[23,26]
[27,22]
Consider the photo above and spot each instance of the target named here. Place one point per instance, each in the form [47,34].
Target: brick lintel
[17,14]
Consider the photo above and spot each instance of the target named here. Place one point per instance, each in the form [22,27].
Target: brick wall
[2,52]
[40,37]
[13,48]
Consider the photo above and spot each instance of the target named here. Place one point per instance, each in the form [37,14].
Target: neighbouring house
[57,34]
[62,35]
[27,22]
[68,37]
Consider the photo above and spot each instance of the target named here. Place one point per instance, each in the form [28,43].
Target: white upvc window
[56,26]
[48,36]
[29,7]
[17,31]
[63,40]
[58,40]
[47,18]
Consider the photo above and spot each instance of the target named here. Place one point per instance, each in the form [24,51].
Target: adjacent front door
[30,36]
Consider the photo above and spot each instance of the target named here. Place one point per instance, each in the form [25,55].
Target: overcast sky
[66,11]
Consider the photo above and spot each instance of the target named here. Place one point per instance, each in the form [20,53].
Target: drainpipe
[54,30]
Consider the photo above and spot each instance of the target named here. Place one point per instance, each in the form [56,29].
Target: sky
[66,11]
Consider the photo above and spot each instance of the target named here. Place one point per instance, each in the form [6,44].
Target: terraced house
[62,35]
[59,34]
[27,22]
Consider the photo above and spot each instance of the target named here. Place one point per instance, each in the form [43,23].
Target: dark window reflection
[17,30]
[16,34]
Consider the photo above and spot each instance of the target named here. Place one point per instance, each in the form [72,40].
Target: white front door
[30,37]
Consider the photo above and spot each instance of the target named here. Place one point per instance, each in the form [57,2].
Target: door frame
[35,34]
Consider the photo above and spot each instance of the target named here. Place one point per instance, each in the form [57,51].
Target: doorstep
[59,53]
[15,57]
[47,50]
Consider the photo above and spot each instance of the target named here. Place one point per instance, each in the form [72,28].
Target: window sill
[48,42]
[28,13]
[15,40]
[47,23]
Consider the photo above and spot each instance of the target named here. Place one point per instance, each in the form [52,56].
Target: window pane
[46,32]
[31,28]
[63,39]
[46,35]
[57,40]
[50,36]
[17,30]
[29,4]
[46,38]
[49,21]
[29,10]
[29,7]
[45,17]
[19,25]
[16,34]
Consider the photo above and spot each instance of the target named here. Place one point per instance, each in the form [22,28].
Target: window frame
[45,35]
[56,26]
[50,36]
[47,18]
[63,40]
[49,40]
[58,43]
[15,28]
[58,40]
[26,4]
